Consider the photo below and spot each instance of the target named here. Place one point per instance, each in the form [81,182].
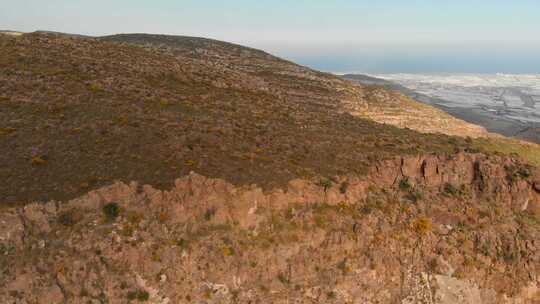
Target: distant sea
[497,59]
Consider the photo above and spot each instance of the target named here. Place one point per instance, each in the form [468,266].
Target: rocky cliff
[419,229]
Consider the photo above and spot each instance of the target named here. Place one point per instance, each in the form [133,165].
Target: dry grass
[100,111]
[529,152]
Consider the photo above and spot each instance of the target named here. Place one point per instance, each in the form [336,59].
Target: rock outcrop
[424,229]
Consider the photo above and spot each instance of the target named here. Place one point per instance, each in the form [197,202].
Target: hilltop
[162,169]
[79,113]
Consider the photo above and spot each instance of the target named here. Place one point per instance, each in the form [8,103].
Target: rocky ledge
[426,229]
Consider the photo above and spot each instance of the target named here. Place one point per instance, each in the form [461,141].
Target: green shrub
[164,102]
[283,278]
[111,211]
[414,195]
[139,295]
[450,189]
[343,187]
[344,267]
[209,213]
[95,88]
[7,249]
[326,183]
[366,209]
[404,184]
[228,251]
[182,243]
[524,172]
[67,218]
[423,225]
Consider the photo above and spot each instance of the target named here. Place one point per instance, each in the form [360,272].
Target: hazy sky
[334,35]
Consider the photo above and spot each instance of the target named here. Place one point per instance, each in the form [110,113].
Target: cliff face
[419,229]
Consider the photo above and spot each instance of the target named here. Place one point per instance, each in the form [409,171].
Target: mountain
[169,169]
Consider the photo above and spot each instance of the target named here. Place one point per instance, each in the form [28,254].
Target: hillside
[81,113]
[166,169]
[376,104]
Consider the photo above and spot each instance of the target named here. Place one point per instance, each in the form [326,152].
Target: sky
[383,36]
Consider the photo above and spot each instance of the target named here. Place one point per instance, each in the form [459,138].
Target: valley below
[504,104]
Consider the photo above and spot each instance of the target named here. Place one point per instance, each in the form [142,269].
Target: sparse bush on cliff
[450,189]
[326,183]
[423,226]
[283,278]
[209,213]
[68,218]
[228,250]
[414,195]
[405,184]
[344,267]
[111,211]
[138,295]
[343,187]
[95,88]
